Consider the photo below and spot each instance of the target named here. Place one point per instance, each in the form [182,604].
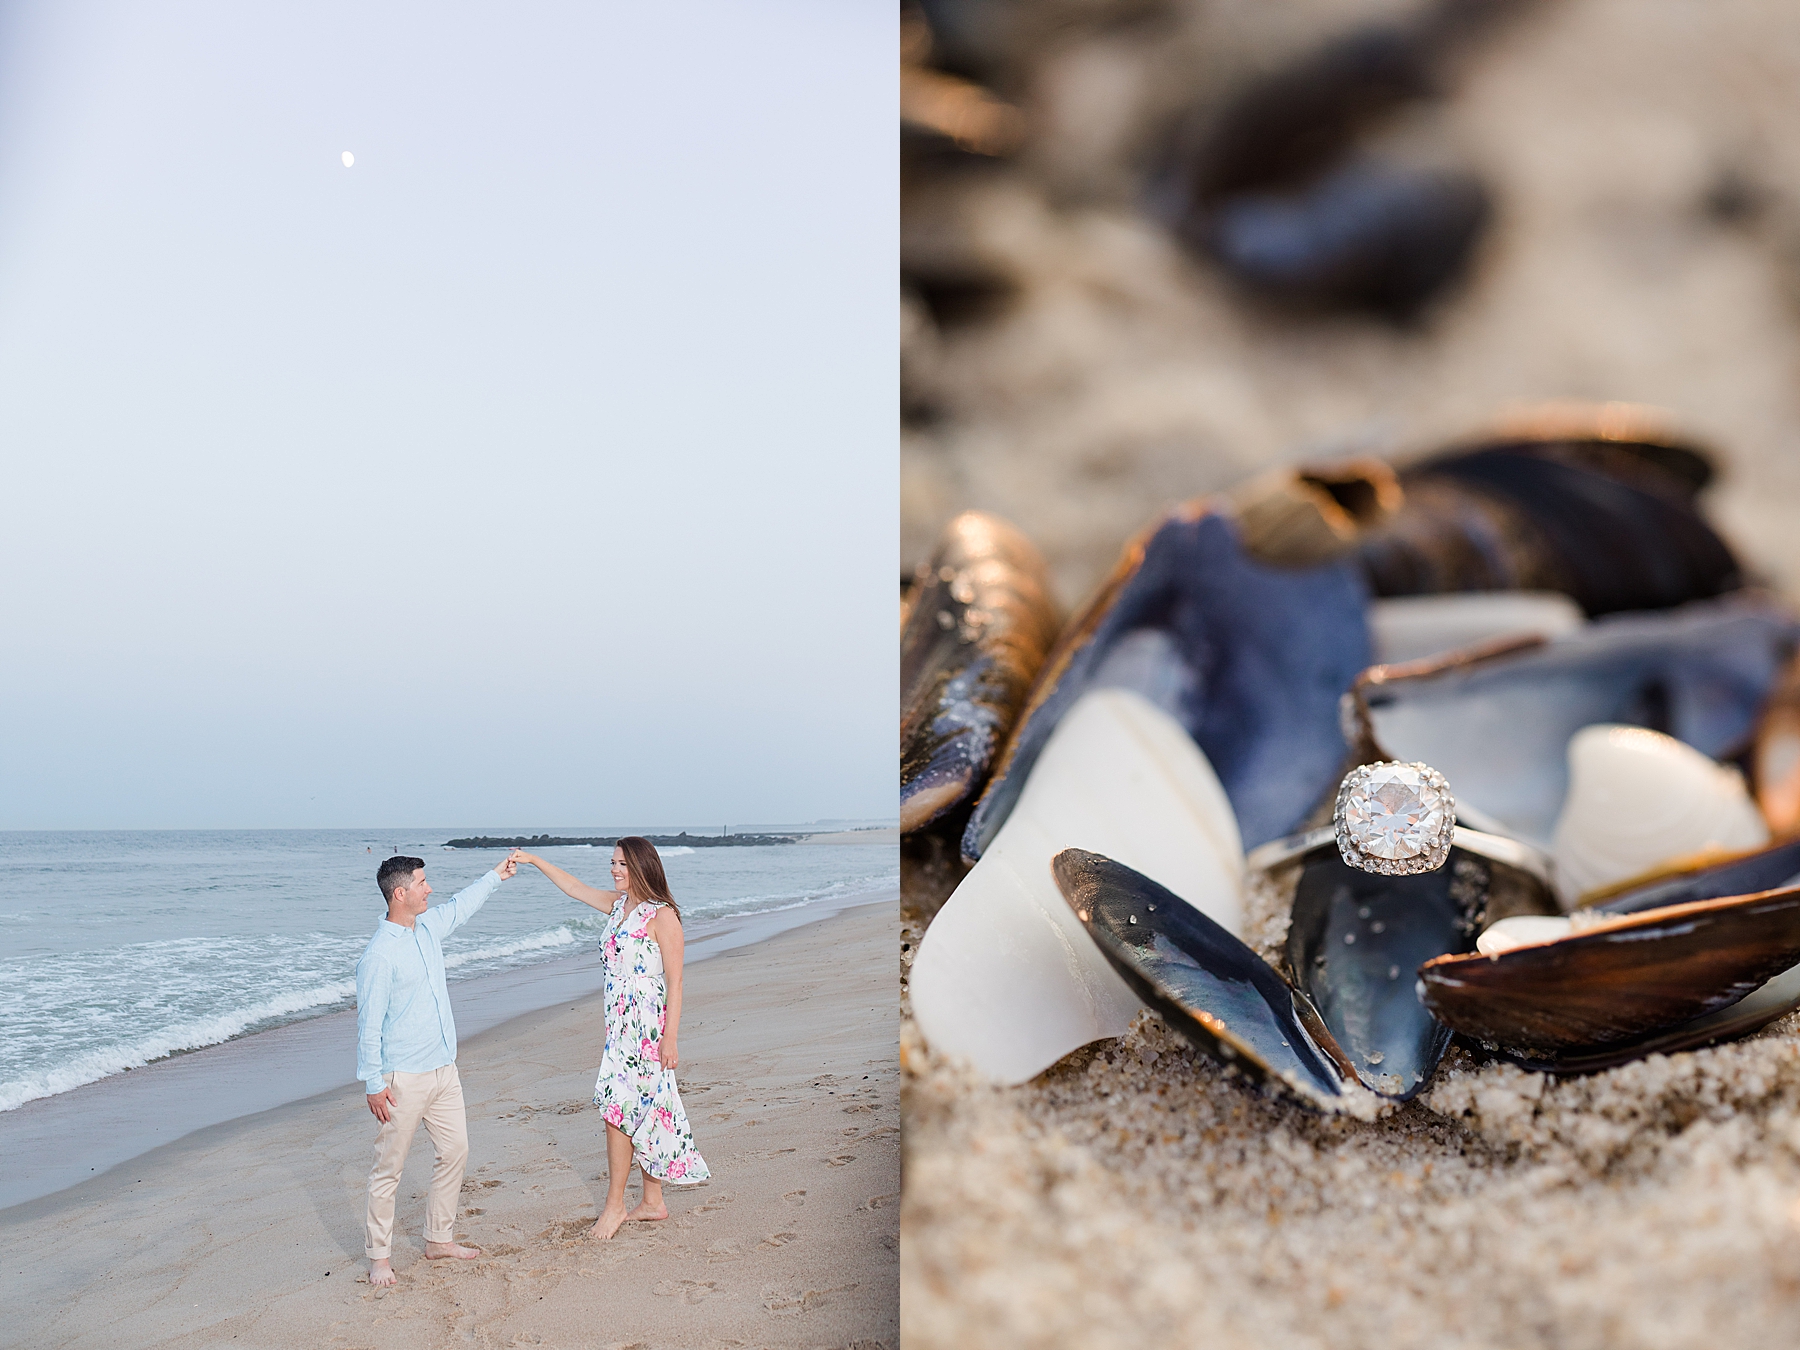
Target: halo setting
[1393,818]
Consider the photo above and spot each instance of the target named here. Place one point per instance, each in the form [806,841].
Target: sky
[537,469]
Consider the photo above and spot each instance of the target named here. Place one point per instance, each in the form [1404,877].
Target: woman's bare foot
[443,1251]
[647,1213]
[608,1222]
[381,1273]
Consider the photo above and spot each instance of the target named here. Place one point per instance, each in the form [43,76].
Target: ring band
[1512,852]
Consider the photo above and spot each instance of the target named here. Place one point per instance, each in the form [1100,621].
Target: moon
[349,159]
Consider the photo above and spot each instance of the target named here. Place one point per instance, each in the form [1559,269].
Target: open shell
[1419,627]
[1638,798]
[1249,659]
[1004,976]
[1208,986]
[1497,722]
[1619,981]
[1355,940]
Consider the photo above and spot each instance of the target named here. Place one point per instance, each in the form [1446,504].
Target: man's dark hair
[395,873]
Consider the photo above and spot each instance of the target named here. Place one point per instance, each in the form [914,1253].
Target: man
[406,1054]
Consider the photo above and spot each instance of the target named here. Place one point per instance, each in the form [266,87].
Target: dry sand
[1139,1195]
[1135,1195]
[250,1233]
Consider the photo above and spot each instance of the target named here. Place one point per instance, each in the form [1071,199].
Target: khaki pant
[436,1098]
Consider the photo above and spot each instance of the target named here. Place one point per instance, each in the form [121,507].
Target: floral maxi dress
[634,1091]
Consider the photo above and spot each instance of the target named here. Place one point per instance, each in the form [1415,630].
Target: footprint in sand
[795,1198]
[689,1291]
[778,1239]
[566,1230]
[879,1201]
[479,1185]
[716,1202]
[841,1160]
[856,1110]
[784,1303]
[467,1213]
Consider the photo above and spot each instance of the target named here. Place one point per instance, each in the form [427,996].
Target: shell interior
[1250,659]
[1207,984]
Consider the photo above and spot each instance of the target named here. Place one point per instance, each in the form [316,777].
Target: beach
[249,1232]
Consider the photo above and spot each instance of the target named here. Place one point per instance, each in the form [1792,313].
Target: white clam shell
[1006,977]
[1638,798]
[1412,627]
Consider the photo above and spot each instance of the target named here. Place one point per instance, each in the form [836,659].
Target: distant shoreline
[682,840]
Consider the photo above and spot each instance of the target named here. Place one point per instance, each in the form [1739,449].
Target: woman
[636,1087]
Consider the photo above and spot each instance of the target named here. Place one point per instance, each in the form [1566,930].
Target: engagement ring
[1398,820]
[1395,819]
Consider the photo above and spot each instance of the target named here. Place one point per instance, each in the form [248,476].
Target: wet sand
[250,1232]
[60,1141]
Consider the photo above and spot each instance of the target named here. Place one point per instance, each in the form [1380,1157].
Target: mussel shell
[1273,192]
[1647,972]
[1774,868]
[1250,659]
[1419,627]
[1292,123]
[1209,986]
[1611,523]
[1312,514]
[980,624]
[1365,236]
[1497,723]
[1354,942]
[1776,997]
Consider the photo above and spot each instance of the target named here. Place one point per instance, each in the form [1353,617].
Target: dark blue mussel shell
[1365,236]
[1769,869]
[1250,659]
[1274,191]
[1209,986]
[1498,725]
[1354,943]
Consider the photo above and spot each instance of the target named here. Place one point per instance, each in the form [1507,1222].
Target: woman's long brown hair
[647,879]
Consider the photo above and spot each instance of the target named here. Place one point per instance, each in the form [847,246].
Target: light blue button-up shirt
[403,1022]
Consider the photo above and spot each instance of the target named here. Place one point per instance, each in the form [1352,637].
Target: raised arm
[568,885]
[666,929]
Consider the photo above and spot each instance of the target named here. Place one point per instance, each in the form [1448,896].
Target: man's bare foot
[443,1251]
[645,1214]
[381,1273]
[608,1223]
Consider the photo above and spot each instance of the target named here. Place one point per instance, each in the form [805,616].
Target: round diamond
[1394,813]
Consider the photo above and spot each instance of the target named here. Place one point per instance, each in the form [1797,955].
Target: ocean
[120,948]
